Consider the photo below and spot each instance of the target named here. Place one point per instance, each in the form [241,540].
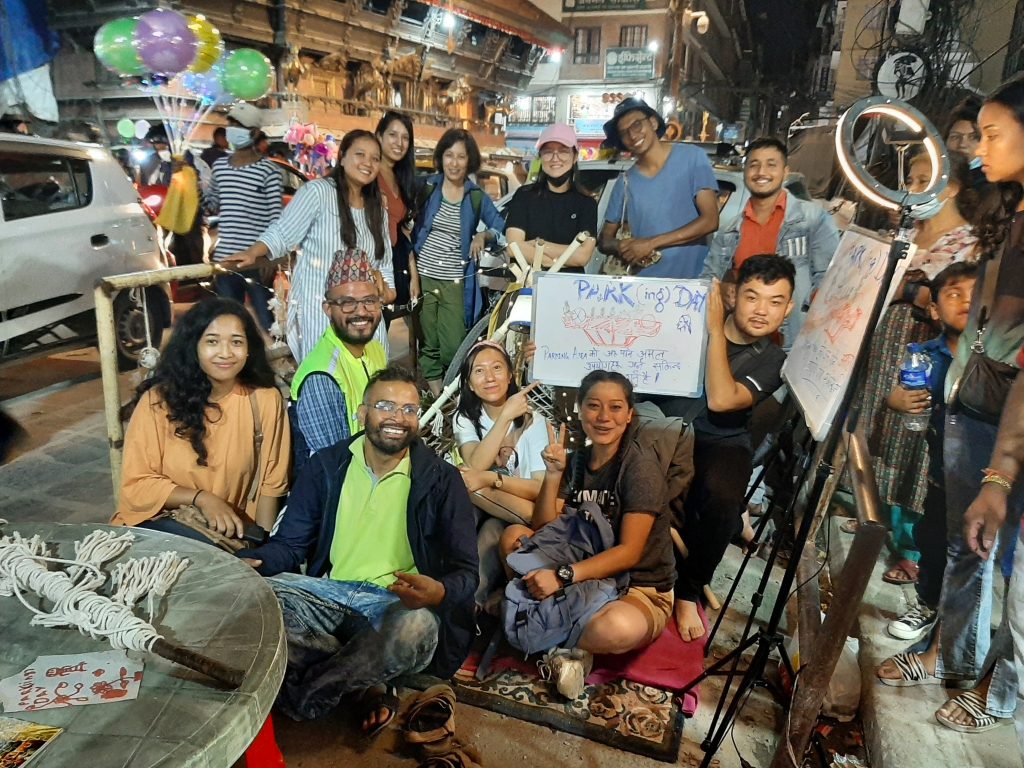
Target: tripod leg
[716,668]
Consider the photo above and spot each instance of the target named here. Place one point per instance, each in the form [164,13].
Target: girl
[445,250]
[344,210]
[397,185]
[192,438]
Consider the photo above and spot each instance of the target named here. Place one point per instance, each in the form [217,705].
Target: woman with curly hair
[195,427]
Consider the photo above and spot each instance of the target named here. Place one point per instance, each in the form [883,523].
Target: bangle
[996,477]
[193,502]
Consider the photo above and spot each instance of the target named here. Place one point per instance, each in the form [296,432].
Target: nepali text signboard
[651,330]
[604,5]
[629,64]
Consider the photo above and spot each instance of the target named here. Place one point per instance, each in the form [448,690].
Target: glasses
[410,411]
[348,305]
[960,138]
[562,154]
[638,126]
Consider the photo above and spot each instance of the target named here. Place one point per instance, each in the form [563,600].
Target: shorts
[656,607]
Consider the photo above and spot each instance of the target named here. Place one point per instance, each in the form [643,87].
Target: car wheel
[130,326]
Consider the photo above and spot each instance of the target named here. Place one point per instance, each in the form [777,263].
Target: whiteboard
[820,364]
[651,330]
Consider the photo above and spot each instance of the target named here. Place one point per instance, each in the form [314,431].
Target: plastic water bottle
[914,374]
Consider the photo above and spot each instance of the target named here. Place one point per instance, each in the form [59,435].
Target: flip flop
[908,569]
[373,702]
[849,526]
[912,672]
[430,721]
[971,703]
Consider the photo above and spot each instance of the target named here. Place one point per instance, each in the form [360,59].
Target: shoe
[569,668]
[913,624]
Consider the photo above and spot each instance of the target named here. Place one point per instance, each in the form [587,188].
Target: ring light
[866,184]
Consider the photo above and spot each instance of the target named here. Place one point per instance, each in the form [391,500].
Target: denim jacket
[808,237]
[492,219]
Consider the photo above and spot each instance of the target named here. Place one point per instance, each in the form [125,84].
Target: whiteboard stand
[800,514]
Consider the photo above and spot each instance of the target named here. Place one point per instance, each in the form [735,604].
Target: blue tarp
[34,43]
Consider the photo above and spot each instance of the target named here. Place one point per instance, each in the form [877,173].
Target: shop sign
[604,5]
[629,64]
[589,126]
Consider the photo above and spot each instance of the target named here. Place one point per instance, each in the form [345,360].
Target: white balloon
[142,128]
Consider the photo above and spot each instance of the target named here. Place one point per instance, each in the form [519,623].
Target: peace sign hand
[518,404]
[554,455]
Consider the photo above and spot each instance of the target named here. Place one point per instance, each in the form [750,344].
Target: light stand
[801,506]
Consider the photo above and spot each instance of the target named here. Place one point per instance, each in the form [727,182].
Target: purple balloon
[165,43]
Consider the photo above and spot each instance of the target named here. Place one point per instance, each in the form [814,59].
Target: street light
[448,21]
[653,46]
[555,55]
[701,17]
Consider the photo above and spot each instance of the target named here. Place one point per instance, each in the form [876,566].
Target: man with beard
[329,384]
[774,221]
[386,530]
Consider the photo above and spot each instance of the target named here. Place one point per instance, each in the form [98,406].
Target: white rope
[93,551]
[152,576]
[22,567]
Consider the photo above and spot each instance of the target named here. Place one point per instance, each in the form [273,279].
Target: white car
[68,216]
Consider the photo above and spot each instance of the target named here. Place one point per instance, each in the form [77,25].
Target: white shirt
[528,448]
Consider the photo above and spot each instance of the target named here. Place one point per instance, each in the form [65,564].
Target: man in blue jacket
[774,221]
[387,531]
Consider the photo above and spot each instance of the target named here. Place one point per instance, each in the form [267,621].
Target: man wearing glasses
[668,199]
[328,387]
[386,530]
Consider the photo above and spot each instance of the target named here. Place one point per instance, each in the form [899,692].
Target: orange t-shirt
[757,238]
[396,208]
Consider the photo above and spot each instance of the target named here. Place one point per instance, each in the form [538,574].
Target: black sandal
[372,702]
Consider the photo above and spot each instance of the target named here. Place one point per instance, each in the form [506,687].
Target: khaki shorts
[656,607]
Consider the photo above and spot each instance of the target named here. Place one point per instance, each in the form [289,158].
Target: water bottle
[914,373]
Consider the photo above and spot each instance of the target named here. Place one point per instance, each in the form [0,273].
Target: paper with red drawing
[72,680]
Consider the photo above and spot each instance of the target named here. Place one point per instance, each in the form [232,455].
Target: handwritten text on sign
[651,330]
[72,680]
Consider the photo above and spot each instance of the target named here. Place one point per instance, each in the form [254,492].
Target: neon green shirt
[371,540]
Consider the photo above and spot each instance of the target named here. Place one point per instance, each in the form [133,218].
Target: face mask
[557,181]
[975,163]
[164,155]
[928,210]
[239,138]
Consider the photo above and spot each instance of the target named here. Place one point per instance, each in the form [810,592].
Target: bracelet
[998,479]
[193,502]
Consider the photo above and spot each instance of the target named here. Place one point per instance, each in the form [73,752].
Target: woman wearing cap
[552,209]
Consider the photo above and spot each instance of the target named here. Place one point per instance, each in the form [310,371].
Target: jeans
[1015,622]
[967,650]
[345,636]
[713,511]
[235,287]
[930,537]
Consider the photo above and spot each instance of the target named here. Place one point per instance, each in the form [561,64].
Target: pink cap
[560,133]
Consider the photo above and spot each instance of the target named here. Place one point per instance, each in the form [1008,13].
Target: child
[744,366]
[950,300]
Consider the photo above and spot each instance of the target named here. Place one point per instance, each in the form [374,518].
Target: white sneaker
[913,624]
[569,668]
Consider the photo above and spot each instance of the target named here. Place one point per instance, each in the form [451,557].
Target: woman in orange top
[397,181]
[193,433]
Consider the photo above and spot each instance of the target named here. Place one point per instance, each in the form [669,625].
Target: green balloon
[126,128]
[114,46]
[247,74]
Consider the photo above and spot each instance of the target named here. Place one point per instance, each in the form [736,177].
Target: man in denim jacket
[774,221]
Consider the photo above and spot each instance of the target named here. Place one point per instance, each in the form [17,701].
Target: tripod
[768,638]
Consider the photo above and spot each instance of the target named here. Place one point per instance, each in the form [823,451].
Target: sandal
[904,572]
[460,757]
[430,721]
[849,526]
[373,701]
[912,672]
[971,703]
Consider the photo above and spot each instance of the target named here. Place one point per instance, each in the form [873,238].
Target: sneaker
[569,668]
[913,624]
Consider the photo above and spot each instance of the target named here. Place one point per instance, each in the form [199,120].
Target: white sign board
[651,330]
[820,365]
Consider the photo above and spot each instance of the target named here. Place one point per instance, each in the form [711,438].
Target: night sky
[784,30]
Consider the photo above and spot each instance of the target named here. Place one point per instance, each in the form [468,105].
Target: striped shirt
[441,255]
[248,199]
[311,224]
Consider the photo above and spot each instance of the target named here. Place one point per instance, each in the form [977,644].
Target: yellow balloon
[209,46]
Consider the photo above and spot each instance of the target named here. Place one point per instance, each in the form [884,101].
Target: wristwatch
[498,482]
[565,575]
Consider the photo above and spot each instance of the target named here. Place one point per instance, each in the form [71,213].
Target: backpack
[476,198]
[533,625]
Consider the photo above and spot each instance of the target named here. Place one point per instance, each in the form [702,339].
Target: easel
[815,673]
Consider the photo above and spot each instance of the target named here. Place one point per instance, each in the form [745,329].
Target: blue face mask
[975,163]
[239,138]
[928,210]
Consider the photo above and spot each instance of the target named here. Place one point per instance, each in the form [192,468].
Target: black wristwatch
[565,575]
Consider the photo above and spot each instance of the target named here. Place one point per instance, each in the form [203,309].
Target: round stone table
[219,607]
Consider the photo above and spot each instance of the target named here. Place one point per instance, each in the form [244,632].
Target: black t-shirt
[634,485]
[757,366]
[556,217]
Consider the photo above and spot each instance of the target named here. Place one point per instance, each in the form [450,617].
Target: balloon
[247,74]
[125,128]
[209,47]
[114,46]
[141,129]
[165,43]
